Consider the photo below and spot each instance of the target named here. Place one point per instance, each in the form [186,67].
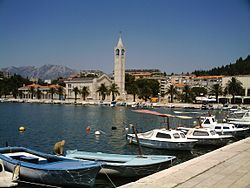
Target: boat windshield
[200,133]
[207,121]
[147,134]
[176,135]
[163,135]
[213,132]
[182,135]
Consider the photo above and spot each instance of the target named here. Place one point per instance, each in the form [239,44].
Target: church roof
[120,44]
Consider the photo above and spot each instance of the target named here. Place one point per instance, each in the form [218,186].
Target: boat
[6,178]
[207,136]
[223,128]
[125,165]
[243,121]
[49,170]
[163,139]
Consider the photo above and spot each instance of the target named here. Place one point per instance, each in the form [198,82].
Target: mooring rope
[108,177]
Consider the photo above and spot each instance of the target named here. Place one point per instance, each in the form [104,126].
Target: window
[217,127]
[213,132]
[123,51]
[207,121]
[182,135]
[200,133]
[117,51]
[225,127]
[163,135]
[176,135]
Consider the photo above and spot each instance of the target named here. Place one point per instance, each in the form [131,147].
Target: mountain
[44,72]
[240,67]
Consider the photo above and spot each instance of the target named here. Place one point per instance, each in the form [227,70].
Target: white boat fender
[97,132]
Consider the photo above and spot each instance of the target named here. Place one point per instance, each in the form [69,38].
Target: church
[94,82]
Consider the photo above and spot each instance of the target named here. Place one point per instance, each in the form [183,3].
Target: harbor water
[46,124]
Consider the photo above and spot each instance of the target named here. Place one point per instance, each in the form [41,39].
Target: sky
[174,36]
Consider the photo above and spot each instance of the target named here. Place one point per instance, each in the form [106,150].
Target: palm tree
[52,91]
[84,92]
[60,92]
[187,93]
[38,93]
[113,90]
[234,87]
[171,90]
[76,91]
[103,91]
[216,90]
[32,91]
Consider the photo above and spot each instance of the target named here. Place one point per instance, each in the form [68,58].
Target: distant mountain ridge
[44,72]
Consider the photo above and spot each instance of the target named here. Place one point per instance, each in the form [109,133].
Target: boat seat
[25,158]
[29,159]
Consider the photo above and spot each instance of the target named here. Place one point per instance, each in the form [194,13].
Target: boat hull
[134,171]
[213,141]
[188,145]
[62,172]
[125,165]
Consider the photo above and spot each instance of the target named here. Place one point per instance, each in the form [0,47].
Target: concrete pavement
[225,167]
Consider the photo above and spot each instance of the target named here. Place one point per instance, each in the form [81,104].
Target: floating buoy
[97,133]
[88,129]
[21,129]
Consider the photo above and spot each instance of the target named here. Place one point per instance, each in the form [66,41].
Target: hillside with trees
[240,67]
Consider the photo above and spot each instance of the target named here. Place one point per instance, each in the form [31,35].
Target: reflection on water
[46,124]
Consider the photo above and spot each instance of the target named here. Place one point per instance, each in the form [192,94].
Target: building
[36,91]
[92,84]
[245,80]
[93,79]
[119,67]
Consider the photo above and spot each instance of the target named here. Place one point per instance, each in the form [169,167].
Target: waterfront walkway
[225,167]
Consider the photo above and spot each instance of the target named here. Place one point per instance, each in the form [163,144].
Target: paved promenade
[225,167]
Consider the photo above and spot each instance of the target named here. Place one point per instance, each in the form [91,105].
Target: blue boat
[125,165]
[41,168]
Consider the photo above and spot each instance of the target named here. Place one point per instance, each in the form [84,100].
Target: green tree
[216,90]
[76,91]
[60,92]
[52,92]
[172,91]
[187,93]
[102,90]
[113,90]
[234,87]
[38,93]
[32,91]
[85,92]
[147,88]
[130,85]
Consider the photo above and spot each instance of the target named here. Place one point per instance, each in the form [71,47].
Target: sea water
[46,124]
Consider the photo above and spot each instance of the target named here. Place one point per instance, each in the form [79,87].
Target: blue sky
[170,35]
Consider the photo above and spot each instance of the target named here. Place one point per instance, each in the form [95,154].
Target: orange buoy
[88,129]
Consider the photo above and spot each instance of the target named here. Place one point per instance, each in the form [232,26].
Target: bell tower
[119,67]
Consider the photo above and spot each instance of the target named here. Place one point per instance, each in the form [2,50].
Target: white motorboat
[6,178]
[239,117]
[223,128]
[163,139]
[207,136]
